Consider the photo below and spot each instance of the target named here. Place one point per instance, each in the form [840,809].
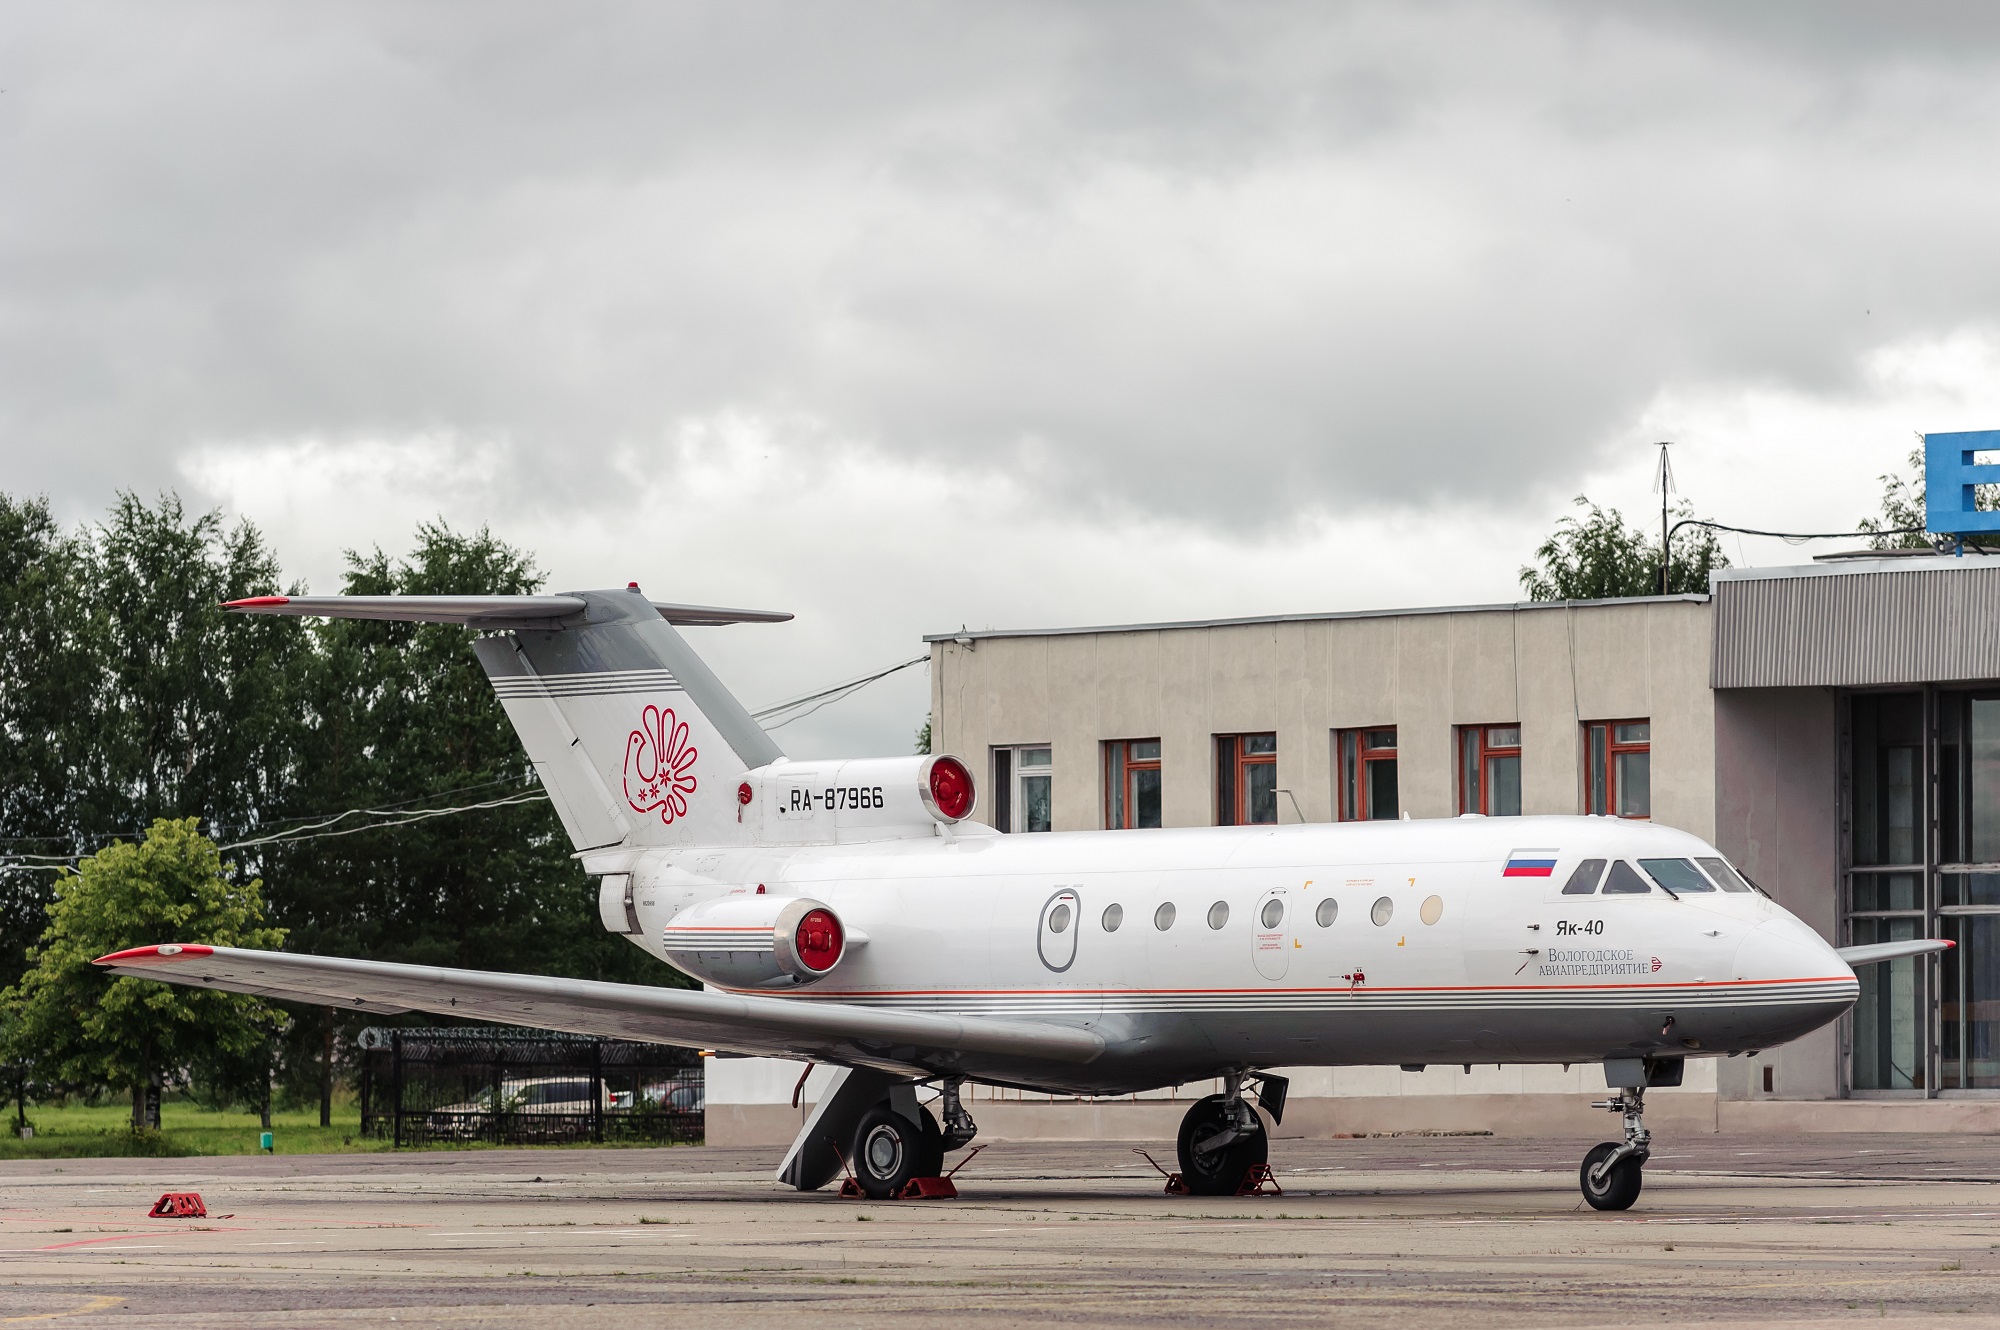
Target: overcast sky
[908,316]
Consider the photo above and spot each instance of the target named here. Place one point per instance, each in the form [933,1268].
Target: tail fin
[635,739]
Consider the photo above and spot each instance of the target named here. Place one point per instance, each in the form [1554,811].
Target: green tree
[1903,508]
[84,1025]
[202,720]
[50,686]
[1599,557]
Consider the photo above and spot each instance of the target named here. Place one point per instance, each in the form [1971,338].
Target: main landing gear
[1613,1172]
[895,1142]
[1222,1138]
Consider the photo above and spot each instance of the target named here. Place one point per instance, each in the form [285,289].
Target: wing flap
[769,1027]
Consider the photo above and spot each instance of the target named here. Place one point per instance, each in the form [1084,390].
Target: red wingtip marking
[164,954]
[255,602]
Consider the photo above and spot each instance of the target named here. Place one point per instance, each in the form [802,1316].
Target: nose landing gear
[1613,1172]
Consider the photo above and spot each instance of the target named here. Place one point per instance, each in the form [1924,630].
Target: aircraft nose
[1786,949]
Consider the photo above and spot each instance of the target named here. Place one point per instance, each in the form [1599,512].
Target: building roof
[976,633]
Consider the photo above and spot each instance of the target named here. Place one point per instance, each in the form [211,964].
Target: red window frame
[1476,747]
[1233,761]
[1355,744]
[1119,768]
[1601,750]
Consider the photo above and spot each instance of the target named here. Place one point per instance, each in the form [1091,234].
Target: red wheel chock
[1257,1180]
[178,1205]
[1175,1187]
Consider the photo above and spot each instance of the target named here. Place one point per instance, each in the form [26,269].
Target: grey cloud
[1220,263]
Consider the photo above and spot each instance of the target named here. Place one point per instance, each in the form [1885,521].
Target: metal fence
[515,1087]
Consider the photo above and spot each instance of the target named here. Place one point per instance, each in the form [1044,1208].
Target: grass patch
[86,1131]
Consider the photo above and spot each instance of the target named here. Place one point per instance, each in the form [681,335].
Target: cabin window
[1163,918]
[1625,882]
[1132,783]
[1583,881]
[1274,913]
[1676,875]
[1328,911]
[1366,785]
[1114,915]
[1618,768]
[1725,877]
[1023,788]
[1246,779]
[1489,770]
[1383,912]
[1218,914]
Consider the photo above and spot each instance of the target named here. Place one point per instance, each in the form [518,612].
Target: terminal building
[1833,728]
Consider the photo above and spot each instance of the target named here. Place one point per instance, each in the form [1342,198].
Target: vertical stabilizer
[636,739]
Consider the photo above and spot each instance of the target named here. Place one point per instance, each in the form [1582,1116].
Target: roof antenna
[1663,482]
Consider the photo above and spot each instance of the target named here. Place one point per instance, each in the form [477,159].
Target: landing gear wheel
[1219,1172]
[1619,1186]
[930,1146]
[889,1150]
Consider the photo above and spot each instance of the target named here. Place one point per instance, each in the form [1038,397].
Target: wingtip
[256,602]
[163,954]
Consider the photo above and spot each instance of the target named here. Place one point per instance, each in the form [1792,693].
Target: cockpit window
[1624,882]
[1584,880]
[1725,876]
[1676,875]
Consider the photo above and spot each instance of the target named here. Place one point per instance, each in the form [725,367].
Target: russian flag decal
[1530,863]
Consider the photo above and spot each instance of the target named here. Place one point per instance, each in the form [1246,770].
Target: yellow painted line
[97,1304]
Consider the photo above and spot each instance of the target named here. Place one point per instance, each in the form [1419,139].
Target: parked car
[554,1096]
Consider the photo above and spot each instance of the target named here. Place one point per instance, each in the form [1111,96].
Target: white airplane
[851,913]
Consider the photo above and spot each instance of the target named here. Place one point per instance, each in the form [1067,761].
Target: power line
[826,697]
[1795,537]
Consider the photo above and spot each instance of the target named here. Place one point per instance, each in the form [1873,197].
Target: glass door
[1968,782]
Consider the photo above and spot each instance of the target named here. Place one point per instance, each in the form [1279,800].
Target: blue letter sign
[1950,474]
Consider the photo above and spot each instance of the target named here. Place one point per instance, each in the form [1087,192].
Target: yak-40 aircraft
[851,913]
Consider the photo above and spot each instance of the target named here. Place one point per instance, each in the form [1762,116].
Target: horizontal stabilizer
[1892,951]
[482,611]
[837,1032]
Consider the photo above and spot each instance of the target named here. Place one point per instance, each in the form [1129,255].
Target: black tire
[888,1150]
[1218,1172]
[1619,1186]
[930,1141]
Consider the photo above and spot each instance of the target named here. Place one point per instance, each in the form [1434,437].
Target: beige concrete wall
[1547,668]
[1777,810]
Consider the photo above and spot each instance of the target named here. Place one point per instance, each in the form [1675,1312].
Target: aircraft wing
[495,612]
[1890,951]
[837,1032]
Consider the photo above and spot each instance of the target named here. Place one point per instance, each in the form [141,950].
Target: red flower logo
[659,765]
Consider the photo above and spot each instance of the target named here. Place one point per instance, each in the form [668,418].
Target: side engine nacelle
[863,799]
[758,941]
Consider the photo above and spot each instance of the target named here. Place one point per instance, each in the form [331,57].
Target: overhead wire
[398,814]
[826,697]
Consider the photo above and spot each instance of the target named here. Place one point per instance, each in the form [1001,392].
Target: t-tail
[636,740]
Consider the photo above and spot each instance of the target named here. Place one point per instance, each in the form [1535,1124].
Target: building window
[1366,785]
[1489,770]
[1618,767]
[1132,783]
[1246,779]
[1888,887]
[1022,789]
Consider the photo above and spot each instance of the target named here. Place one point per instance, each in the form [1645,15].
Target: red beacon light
[950,789]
